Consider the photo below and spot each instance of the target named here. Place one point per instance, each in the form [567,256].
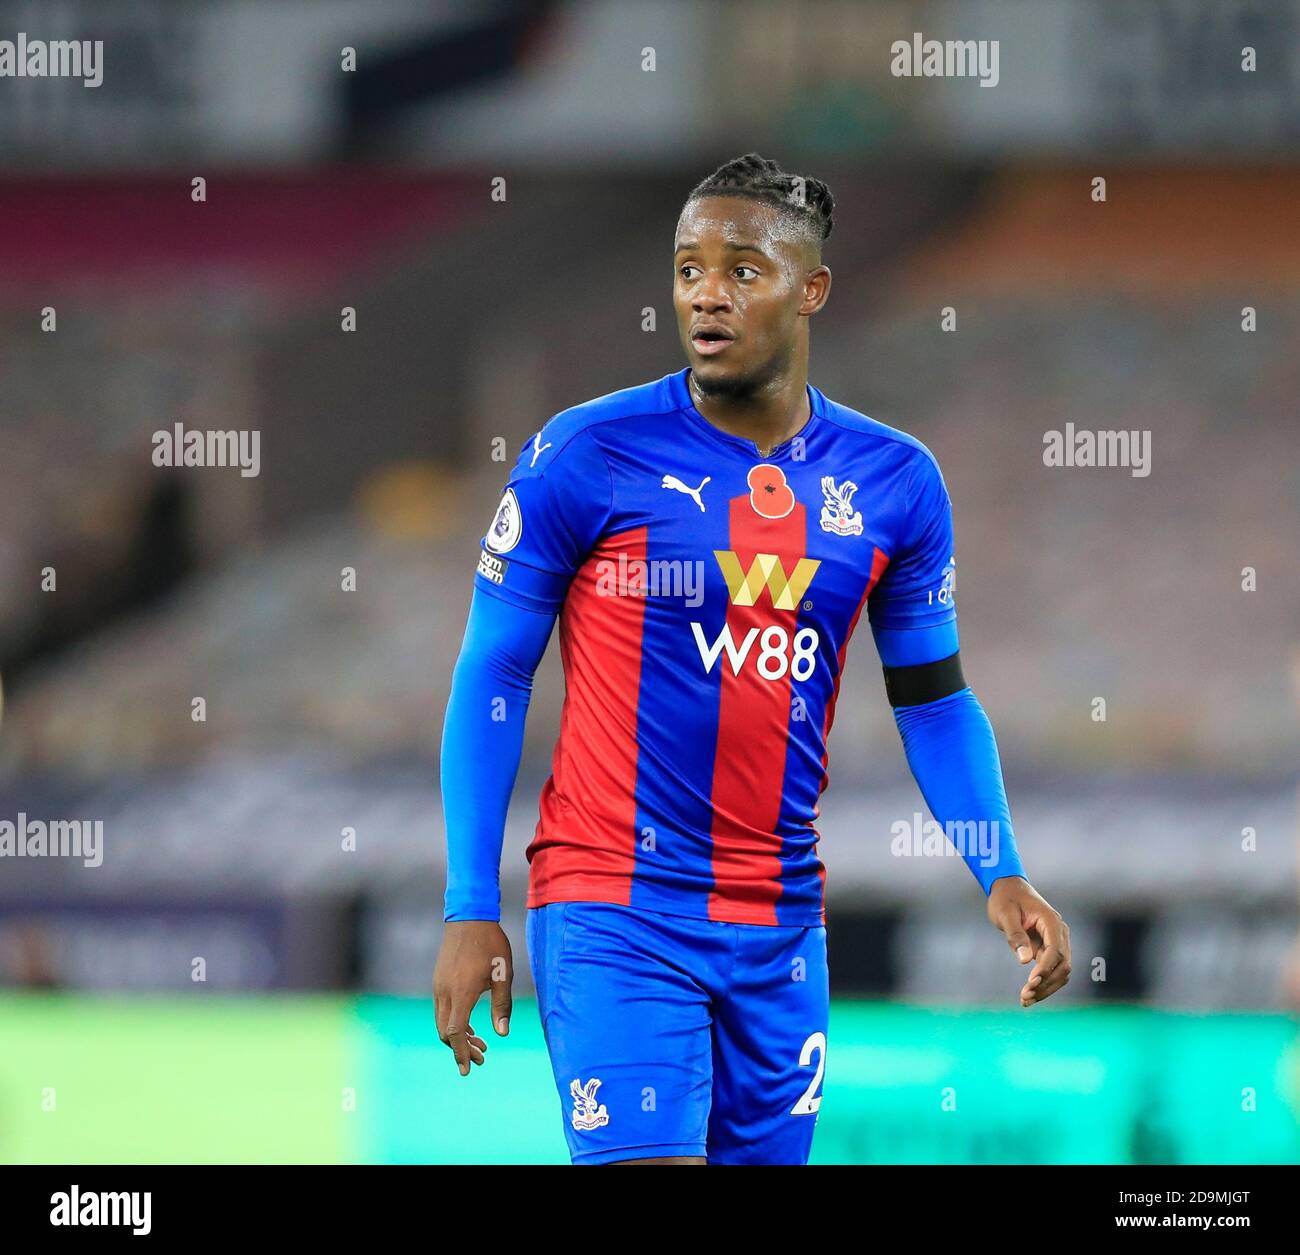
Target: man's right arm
[482,740]
[555,505]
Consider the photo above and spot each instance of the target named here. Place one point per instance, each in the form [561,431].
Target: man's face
[740,285]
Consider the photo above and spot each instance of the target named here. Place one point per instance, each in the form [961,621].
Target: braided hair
[805,201]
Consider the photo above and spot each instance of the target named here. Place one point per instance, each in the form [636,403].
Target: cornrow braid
[806,200]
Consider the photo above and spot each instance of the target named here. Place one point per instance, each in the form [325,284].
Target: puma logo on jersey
[538,449]
[671,481]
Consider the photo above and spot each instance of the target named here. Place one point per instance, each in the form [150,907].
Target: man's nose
[711,295]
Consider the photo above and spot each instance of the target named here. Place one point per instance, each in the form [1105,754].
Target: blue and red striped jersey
[706,595]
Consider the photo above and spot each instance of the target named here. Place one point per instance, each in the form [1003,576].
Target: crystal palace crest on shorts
[588,1114]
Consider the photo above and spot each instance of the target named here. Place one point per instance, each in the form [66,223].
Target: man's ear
[817,287]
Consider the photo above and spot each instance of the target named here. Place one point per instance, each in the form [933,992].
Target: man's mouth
[709,340]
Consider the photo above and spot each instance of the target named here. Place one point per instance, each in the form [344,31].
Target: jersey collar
[682,397]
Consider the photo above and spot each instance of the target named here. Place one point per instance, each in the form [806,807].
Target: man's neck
[768,420]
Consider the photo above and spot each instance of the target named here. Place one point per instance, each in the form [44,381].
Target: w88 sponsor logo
[777,652]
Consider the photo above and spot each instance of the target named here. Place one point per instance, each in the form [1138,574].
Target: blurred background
[384,235]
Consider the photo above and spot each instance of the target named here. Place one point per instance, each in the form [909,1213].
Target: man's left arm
[948,738]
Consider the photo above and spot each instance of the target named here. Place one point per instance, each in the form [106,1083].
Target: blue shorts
[673,1036]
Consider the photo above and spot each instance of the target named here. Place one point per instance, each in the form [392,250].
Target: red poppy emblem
[769,494]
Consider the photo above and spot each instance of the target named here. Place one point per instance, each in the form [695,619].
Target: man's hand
[1034,931]
[475,957]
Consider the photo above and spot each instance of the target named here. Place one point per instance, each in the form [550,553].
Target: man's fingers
[1050,959]
[453,1016]
[467,1048]
[456,1038]
[457,1031]
[1052,928]
[474,1048]
[501,1006]
[475,959]
[1019,941]
[1035,931]
[1011,921]
[1058,980]
[1050,974]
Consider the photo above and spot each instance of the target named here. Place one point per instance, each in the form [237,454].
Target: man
[709,541]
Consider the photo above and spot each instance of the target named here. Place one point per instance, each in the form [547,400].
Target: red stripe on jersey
[753,729]
[585,843]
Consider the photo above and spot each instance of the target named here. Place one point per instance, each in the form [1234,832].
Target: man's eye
[751,269]
[684,269]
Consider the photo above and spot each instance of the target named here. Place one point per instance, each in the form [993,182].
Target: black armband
[914,686]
